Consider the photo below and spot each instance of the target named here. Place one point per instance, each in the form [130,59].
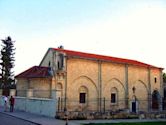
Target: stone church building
[90,82]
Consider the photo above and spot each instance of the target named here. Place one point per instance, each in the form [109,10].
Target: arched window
[60,62]
[83,94]
[61,59]
[114,95]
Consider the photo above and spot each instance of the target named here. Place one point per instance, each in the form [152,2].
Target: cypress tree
[164,77]
[6,65]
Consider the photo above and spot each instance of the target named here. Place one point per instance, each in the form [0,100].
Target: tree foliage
[7,63]
[164,77]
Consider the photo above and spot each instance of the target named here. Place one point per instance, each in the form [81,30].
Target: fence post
[149,102]
[62,101]
[59,104]
[66,113]
[104,104]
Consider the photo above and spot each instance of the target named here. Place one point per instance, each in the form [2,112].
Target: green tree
[6,65]
[164,77]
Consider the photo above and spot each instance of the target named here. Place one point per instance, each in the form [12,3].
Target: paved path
[10,120]
[37,119]
[42,120]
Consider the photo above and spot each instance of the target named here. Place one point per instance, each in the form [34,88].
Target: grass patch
[133,123]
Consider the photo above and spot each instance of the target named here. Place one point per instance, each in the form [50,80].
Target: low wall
[41,106]
[46,107]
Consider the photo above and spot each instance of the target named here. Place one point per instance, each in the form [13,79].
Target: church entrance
[164,99]
[134,107]
[134,104]
[155,100]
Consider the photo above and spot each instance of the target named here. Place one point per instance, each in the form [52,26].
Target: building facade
[90,82]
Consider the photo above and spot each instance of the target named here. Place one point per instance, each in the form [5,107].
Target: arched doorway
[164,99]
[138,95]
[59,98]
[134,104]
[155,100]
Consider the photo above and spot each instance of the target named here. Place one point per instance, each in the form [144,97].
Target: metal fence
[95,104]
[101,105]
[102,108]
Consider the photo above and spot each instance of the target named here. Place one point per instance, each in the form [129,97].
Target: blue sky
[133,29]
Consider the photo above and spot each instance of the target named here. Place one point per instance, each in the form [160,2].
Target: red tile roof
[35,72]
[104,58]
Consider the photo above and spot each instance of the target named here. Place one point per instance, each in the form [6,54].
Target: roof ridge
[35,72]
[105,57]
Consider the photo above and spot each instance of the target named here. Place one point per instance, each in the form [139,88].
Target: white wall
[46,107]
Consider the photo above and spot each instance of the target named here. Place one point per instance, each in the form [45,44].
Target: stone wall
[82,73]
[102,78]
[41,87]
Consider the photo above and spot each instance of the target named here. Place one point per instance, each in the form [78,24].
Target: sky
[131,29]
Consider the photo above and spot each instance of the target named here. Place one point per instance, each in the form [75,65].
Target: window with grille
[82,97]
[113,98]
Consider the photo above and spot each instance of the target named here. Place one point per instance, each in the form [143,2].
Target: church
[85,82]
